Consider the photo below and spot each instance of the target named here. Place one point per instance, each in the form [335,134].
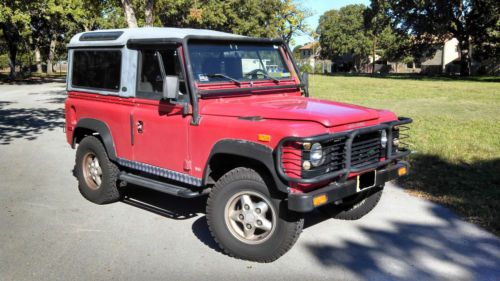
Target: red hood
[328,113]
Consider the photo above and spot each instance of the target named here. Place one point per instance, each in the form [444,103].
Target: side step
[159,186]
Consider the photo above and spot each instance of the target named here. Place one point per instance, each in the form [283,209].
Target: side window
[149,79]
[98,69]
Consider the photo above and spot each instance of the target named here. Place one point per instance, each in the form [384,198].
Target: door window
[150,80]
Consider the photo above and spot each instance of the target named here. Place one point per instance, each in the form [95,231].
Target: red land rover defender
[192,112]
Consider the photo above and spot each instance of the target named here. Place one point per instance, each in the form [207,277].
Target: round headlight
[316,154]
[383,138]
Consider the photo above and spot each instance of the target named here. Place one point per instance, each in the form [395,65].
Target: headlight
[316,154]
[383,138]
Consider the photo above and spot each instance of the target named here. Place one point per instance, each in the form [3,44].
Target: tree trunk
[52,50]
[12,59]
[38,60]
[129,13]
[373,54]
[12,38]
[464,56]
[148,12]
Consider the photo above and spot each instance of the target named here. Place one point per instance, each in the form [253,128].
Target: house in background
[309,54]
[446,60]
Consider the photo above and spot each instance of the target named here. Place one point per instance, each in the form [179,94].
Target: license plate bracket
[366,180]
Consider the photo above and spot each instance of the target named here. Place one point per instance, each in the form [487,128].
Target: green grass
[455,133]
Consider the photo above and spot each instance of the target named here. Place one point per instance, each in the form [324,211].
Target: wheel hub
[92,170]
[250,217]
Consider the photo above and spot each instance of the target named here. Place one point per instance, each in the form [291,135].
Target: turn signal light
[320,200]
[402,171]
[264,137]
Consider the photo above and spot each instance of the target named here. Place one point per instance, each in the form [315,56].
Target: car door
[160,130]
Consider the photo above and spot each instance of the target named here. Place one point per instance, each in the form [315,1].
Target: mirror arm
[184,104]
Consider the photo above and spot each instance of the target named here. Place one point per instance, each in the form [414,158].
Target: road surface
[49,232]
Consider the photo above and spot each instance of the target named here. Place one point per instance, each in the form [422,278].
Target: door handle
[139,127]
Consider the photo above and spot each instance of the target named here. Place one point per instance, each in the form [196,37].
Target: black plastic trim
[160,186]
[152,43]
[101,36]
[103,130]
[247,149]
[303,202]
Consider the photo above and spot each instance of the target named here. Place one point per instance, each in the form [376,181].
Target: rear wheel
[246,221]
[97,175]
[354,207]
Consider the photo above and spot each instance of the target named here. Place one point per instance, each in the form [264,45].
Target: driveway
[49,232]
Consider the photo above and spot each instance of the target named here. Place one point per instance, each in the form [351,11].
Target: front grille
[365,150]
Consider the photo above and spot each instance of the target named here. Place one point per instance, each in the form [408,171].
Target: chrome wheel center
[250,217]
[92,170]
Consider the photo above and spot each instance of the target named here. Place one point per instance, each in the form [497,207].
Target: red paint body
[169,141]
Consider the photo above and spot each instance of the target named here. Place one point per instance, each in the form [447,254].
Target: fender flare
[103,130]
[255,151]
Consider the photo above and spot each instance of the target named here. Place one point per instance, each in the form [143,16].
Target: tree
[148,13]
[259,18]
[343,32]
[387,42]
[433,22]
[14,21]
[129,13]
[291,18]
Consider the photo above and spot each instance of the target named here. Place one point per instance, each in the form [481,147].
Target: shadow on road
[173,207]
[54,97]
[429,252]
[27,123]
[471,189]
[165,205]
[177,208]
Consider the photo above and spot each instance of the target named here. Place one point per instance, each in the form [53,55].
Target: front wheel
[246,221]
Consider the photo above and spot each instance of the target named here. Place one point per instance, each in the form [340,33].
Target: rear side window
[97,69]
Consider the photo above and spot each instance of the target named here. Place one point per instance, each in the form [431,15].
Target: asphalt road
[49,232]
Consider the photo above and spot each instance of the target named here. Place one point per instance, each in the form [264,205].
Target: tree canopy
[475,23]
[343,32]
[36,31]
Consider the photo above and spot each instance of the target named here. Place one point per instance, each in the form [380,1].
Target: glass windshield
[236,62]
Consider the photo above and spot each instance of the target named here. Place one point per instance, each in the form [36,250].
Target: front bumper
[304,202]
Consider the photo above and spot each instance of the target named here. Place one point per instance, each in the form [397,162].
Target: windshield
[237,62]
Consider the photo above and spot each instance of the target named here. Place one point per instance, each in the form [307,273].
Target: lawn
[455,135]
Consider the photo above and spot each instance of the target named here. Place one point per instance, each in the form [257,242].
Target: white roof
[146,33]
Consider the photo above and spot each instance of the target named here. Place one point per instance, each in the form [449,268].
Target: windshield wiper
[277,81]
[225,76]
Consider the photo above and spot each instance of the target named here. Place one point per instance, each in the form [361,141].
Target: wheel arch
[230,153]
[89,126]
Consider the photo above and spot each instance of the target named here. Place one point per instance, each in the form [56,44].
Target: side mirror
[170,87]
[305,81]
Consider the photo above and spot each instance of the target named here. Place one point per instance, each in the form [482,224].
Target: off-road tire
[288,225]
[354,208]
[107,192]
